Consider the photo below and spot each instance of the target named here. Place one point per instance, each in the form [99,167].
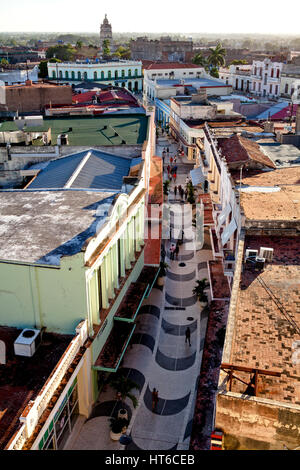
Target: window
[95,75]
[271,88]
[79,75]
[109,74]
[100,289]
[255,70]
[136,72]
[286,90]
[116,74]
[129,72]
[85,75]
[276,90]
[102,75]
[278,73]
[60,74]
[73,75]
[123,73]
[53,74]
[272,72]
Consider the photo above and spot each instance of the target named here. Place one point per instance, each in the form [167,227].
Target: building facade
[265,78]
[124,73]
[163,49]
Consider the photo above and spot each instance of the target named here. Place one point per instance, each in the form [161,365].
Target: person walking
[188,335]
[171,160]
[168,170]
[186,194]
[154,399]
[175,191]
[174,176]
[172,251]
[168,150]
[176,251]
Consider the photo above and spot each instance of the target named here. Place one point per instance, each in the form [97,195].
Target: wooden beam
[251,370]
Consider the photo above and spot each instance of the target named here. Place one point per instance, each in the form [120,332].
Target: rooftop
[169,65]
[100,130]
[281,204]
[22,378]
[195,82]
[278,177]
[283,155]
[266,320]
[237,149]
[91,169]
[39,227]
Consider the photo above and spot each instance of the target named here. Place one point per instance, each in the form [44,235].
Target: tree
[199,59]
[43,69]
[124,385]
[239,62]
[217,56]
[79,44]
[4,62]
[214,72]
[105,47]
[65,52]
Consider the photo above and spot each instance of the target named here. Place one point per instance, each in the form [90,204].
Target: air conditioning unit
[259,263]
[251,254]
[266,253]
[27,342]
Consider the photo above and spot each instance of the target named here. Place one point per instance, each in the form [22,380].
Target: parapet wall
[253,423]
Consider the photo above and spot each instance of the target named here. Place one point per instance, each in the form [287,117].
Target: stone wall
[251,423]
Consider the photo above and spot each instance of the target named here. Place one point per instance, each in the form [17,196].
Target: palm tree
[217,56]
[124,385]
[199,59]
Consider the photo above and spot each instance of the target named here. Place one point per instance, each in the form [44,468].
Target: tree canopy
[61,52]
[217,55]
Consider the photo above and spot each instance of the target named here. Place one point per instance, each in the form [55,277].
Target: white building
[290,82]
[124,73]
[238,76]
[11,77]
[265,78]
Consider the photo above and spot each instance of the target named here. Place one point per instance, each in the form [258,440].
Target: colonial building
[124,73]
[106,33]
[290,82]
[265,78]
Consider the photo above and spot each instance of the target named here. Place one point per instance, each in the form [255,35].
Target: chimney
[28,82]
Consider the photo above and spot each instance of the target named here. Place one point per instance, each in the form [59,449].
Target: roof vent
[251,254]
[27,342]
[259,263]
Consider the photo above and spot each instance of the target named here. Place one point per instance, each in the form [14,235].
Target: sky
[173,16]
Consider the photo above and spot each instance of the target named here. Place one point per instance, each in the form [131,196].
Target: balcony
[114,348]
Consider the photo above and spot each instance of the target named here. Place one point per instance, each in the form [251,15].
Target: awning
[224,214]
[197,176]
[229,230]
[114,348]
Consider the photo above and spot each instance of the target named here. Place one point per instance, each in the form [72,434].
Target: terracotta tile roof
[169,65]
[239,149]
[265,330]
[280,205]
[153,241]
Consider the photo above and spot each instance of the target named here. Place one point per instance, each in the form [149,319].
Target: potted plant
[117,427]
[162,273]
[191,193]
[199,291]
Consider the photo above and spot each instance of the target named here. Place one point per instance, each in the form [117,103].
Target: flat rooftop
[280,204]
[267,320]
[270,178]
[283,155]
[100,130]
[196,82]
[22,378]
[39,227]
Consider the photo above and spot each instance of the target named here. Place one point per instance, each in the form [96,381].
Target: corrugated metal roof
[96,170]
[102,171]
[58,172]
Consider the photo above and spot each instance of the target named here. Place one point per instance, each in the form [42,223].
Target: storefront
[60,427]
